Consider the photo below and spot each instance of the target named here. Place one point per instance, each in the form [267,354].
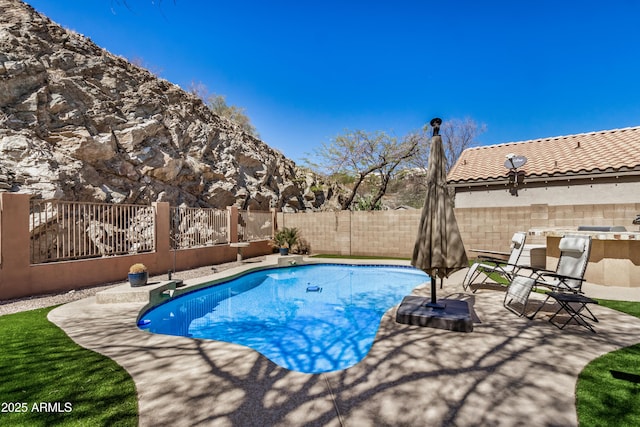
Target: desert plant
[303,247]
[138,275]
[367,204]
[137,268]
[278,240]
[286,238]
[291,236]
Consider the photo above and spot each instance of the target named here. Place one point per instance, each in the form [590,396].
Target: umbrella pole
[434,300]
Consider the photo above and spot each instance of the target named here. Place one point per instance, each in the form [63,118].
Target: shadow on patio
[508,371]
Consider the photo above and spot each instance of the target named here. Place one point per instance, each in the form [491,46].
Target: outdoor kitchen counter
[614,258]
[599,235]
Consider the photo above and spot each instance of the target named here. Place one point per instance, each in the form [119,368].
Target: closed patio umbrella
[438,250]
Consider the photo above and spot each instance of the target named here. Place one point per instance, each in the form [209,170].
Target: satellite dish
[514,162]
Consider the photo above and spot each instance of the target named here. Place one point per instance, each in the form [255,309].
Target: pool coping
[155,293]
[509,371]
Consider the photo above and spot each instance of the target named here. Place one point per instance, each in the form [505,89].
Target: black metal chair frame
[501,267]
[575,311]
[563,280]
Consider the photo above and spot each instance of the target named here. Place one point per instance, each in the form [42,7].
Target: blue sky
[305,71]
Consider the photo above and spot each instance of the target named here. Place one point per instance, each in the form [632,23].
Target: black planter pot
[138,279]
[284,251]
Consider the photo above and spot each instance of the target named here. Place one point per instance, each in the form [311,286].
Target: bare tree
[359,154]
[457,136]
[400,154]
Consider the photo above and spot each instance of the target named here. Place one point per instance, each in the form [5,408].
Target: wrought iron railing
[254,225]
[197,227]
[63,230]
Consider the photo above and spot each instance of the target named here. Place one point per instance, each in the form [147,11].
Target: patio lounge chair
[517,295]
[486,265]
[568,276]
[572,264]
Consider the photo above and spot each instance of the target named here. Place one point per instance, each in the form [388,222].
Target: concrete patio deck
[509,371]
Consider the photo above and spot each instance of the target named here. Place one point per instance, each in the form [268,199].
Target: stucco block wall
[377,233]
[492,228]
[398,230]
[393,233]
[19,278]
[381,233]
[327,232]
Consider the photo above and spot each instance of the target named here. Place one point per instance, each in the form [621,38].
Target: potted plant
[138,275]
[285,239]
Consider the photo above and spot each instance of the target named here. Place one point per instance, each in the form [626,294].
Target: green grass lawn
[602,399]
[47,379]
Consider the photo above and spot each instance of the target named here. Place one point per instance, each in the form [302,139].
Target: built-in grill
[602,227]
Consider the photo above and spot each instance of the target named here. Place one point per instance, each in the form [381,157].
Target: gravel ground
[41,301]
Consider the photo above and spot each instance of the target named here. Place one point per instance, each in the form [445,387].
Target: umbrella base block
[455,315]
[435,305]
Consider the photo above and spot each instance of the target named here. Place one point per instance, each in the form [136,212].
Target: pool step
[286,260]
[152,292]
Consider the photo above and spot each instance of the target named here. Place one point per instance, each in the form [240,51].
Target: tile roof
[615,150]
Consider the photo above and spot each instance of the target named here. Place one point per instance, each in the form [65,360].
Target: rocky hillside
[78,123]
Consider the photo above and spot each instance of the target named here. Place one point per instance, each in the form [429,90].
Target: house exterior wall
[574,192]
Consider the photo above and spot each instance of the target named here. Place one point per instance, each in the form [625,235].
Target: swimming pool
[309,318]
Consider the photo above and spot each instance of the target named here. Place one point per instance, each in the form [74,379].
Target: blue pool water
[311,318]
